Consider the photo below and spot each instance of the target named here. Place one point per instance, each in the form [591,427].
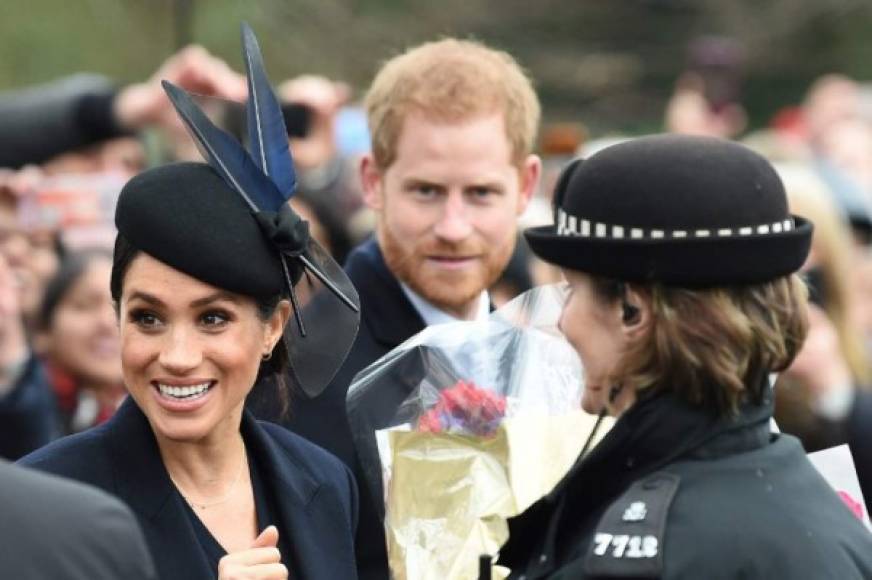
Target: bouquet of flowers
[463,408]
[464,426]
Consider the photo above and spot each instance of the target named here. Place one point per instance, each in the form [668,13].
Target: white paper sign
[837,466]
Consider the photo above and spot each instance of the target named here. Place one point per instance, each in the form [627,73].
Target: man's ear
[371,182]
[529,174]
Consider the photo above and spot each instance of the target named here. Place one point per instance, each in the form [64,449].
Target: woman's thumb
[268,538]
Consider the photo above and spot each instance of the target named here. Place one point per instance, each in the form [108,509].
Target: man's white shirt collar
[432,315]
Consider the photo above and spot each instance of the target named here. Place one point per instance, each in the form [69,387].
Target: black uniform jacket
[671,492]
[315,495]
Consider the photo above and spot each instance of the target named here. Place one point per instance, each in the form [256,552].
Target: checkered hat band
[570,225]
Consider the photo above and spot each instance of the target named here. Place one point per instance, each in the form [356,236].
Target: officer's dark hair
[274,369]
[713,347]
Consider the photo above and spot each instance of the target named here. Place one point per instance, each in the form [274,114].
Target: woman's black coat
[722,498]
[315,494]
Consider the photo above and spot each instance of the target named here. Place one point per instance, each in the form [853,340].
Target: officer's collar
[660,429]
[662,425]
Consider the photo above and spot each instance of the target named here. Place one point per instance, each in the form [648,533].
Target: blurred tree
[609,63]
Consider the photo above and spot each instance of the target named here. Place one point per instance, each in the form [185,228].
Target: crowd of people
[176,329]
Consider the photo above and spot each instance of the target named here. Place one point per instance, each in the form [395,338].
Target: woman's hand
[262,561]
[193,69]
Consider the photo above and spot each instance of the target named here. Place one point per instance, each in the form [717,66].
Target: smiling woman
[208,262]
[190,352]
[77,338]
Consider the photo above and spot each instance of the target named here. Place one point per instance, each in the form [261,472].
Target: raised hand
[193,69]
[324,98]
[262,561]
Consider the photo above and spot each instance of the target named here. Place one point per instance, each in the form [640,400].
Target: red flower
[464,408]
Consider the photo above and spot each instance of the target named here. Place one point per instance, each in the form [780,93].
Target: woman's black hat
[186,216]
[675,209]
[228,224]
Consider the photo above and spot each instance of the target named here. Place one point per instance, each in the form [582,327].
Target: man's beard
[447,290]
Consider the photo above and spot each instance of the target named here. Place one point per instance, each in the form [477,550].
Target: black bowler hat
[675,209]
[228,224]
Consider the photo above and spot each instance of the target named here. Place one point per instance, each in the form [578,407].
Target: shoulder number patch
[629,537]
[624,546]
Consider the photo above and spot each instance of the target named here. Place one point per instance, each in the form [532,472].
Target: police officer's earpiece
[630,315]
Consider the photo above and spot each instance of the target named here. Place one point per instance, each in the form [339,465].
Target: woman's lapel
[142,482]
[313,520]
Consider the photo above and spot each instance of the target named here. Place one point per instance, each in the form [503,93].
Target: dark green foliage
[608,63]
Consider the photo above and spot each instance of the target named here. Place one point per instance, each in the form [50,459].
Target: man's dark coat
[315,496]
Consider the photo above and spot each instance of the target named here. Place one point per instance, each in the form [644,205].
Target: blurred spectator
[42,122]
[39,122]
[328,178]
[837,137]
[830,99]
[861,279]
[32,251]
[27,407]
[689,113]
[557,146]
[847,145]
[325,225]
[815,394]
[77,338]
[124,155]
[798,131]
[313,143]
[706,98]
[834,309]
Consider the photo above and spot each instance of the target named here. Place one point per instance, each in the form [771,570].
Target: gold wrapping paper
[450,495]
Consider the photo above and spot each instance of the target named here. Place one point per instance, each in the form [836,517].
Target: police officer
[679,254]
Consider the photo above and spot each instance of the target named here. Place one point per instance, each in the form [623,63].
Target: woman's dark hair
[71,269]
[275,370]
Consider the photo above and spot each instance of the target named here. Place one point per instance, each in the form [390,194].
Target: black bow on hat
[675,209]
[230,225]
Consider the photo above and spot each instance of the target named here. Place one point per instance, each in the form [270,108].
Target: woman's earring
[266,356]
